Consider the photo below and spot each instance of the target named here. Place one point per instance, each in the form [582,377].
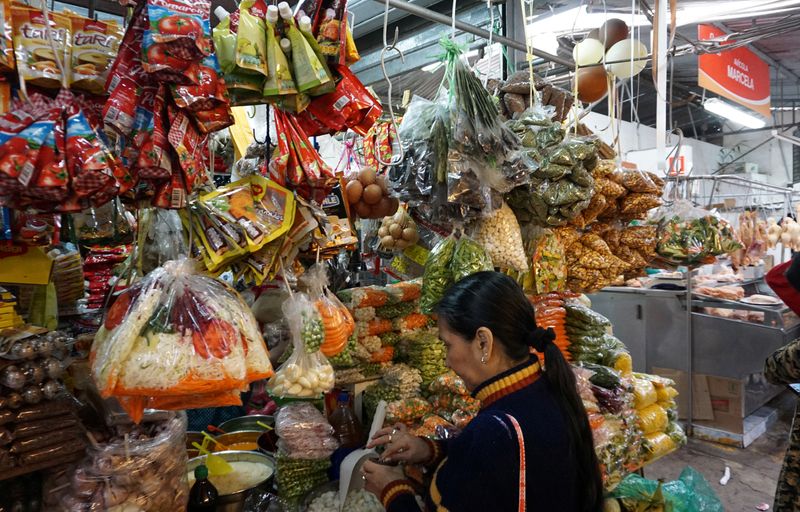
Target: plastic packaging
[336,319]
[500,235]
[303,432]
[143,468]
[644,393]
[469,257]
[690,493]
[195,333]
[307,373]
[690,235]
[438,275]
[653,419]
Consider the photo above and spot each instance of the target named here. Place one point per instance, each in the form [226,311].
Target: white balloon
[624,51]
[588,51]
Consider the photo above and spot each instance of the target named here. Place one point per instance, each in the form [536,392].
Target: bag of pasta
[177,334]
[306,373]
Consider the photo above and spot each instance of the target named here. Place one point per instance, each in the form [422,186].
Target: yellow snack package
[36,59]
[94,48]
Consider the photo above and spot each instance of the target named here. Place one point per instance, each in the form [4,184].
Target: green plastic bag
[690,493]
[437,277]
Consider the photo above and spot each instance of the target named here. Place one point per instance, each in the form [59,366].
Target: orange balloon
[592,83]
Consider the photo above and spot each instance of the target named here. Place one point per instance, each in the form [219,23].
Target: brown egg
[612,31]
[353,191]
[372,194]
[367,176]
[593,34]
[384,206]
[395,205]
[363,210]
[381,181]
[592,83]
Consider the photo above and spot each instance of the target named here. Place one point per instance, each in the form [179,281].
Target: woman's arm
[399,497]
[783,366]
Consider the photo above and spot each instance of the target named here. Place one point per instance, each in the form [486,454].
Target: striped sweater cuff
[436,452]
[395,489]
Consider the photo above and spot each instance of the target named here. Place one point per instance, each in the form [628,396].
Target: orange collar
[507,382]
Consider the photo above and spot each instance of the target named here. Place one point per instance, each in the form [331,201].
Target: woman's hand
[377,476]
[400,445]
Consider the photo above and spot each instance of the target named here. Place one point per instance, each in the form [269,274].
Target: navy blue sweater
[480,471]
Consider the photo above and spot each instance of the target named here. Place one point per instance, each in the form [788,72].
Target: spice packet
[32,47]
[94,47]
[251,37]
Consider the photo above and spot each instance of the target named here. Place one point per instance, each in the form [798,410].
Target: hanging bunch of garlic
[773,232]
[398,231]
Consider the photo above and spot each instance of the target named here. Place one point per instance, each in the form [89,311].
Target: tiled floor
[754,470]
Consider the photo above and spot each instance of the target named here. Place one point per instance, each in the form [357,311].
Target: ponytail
[562,382]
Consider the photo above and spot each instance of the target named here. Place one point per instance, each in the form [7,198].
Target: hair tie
[540,338]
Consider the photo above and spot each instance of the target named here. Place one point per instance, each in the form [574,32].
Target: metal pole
[466,27]
[689,352]
[661,83]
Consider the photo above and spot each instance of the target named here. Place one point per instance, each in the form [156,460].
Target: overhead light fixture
[433,66]
[728,111]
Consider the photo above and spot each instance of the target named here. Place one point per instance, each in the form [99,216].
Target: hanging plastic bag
[178,333]
[307,373]
[469,257]
[500,234]
[438,276]
[337,320]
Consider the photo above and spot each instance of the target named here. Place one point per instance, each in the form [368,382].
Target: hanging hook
[396,158]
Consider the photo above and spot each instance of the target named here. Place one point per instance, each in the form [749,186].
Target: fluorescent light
[433,66]
[728,111]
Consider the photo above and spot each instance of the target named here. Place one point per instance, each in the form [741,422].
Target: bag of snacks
[500,235]
[438,276]
[33,48]
[303,432]
[94,48]
[178,333]
[307,373]
[469,257]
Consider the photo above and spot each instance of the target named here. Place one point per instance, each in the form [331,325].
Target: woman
[530,443]
[783,367]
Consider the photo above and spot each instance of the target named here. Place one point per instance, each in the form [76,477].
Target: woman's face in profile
[463,356]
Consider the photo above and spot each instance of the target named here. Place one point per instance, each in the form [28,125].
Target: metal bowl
[247,423]
[231,439]
[235,502]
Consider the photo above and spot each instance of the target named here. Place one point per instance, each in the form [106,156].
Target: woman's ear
[484,344]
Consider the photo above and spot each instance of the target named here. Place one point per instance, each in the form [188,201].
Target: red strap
[521,441]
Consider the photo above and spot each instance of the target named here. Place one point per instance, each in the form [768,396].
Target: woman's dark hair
[493,300]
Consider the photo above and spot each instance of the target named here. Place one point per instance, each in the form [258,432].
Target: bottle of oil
[344,422]
[203,495]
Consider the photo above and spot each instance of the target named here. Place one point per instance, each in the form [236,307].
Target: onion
[409,234]
[372,194]
[367,176]
[353,191]
[383,231]
[396,230]
[387,242]
[363,210]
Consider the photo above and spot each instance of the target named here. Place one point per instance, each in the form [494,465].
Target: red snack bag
[347,106]
[180,30]
[23,150]
[51,181]
[187,142]
[153,162]
[312,125]
[209,92]
[213,120]
[142,125]
[172,193]
[88,160]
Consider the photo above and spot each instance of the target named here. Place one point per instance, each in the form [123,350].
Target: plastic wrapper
[408,410]
[430,426]
[690,236]
[652,419]
[142,468]
[304,433]
[195,334]
[426,353]
[62,436]
[296,477]
[500,235]
[260,500]
[34,54]
[307,373]
[336,319]
[644,393]
[469,257]
[438,274]
[690,493]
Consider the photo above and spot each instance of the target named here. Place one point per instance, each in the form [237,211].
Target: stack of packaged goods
[38,425]
[8,310]
[658,414]
[98,272]
[383,314]
[68,279]
[450,399]
[305,443]
[591,340]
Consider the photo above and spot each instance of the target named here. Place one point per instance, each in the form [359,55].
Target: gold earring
[483,359]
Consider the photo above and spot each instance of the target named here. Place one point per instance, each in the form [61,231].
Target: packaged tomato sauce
[178,35]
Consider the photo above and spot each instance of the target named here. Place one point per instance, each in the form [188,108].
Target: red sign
[737,74]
